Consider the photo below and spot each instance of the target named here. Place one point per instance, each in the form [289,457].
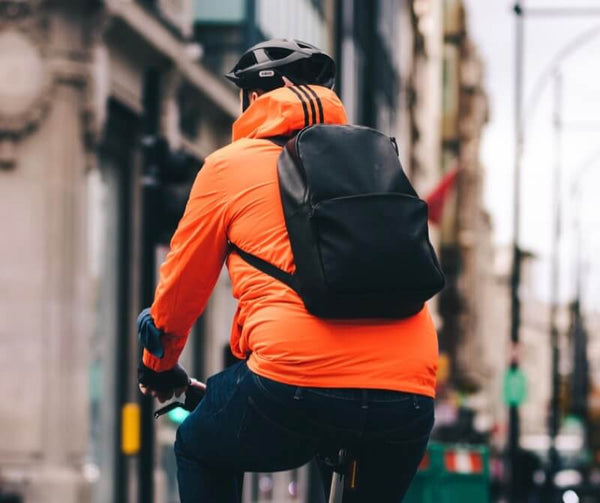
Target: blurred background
[107,110]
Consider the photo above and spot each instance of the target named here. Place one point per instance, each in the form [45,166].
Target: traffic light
[176,178]
[178,415]
[173,174]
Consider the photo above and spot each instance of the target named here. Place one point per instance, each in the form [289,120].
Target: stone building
[422,94]
[74,107]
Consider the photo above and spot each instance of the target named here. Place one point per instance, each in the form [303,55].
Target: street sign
[515,387]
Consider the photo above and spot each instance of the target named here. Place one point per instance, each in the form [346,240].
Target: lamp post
[553,425]
[514,426]
[150,188]
[513,411]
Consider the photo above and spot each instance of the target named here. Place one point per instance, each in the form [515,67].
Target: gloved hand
[162,385]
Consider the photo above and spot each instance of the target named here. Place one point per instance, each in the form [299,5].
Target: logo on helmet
[266,73]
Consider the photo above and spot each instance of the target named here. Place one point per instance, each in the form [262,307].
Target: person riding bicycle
[303,383]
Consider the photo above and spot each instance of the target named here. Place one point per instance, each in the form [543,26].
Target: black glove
[163,382]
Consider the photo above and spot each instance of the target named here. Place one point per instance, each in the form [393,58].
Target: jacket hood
[288,109]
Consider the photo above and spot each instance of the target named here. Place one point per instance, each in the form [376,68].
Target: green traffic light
[178,415]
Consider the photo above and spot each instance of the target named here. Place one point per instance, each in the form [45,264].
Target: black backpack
[357,228]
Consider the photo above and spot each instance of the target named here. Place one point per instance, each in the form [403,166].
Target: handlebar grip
[193,396]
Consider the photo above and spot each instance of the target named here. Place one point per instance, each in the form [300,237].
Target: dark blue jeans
[249,423]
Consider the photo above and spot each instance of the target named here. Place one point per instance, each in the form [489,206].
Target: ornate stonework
[16,10]
[25,80]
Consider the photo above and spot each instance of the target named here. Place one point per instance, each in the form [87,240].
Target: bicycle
[345,466]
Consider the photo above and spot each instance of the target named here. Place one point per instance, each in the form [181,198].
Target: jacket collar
[288,109]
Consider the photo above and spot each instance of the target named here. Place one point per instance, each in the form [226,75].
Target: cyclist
[301,381]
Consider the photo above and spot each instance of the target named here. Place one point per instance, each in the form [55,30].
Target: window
[221,12]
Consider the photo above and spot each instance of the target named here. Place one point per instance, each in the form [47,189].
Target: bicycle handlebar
[193,395]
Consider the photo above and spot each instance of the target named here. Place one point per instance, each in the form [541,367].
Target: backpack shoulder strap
[281,140]
[264,266]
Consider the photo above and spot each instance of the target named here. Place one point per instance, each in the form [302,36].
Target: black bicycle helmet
[263,66]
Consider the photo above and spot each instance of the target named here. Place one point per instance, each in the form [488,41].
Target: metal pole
[150,189]
[578,245]
[554,286]
[124,349]
[513,418]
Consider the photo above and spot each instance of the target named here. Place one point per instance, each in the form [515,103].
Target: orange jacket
[236,198]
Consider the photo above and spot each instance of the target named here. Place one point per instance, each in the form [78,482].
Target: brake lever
[167,408]
[193,396]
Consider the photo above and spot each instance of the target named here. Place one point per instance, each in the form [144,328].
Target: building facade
[473,308]
[78,97]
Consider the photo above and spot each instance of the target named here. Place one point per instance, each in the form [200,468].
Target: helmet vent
[247,61]
[277,53]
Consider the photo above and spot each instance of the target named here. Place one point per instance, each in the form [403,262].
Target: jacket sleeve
[192,266]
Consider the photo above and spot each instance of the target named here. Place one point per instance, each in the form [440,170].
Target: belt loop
[298,394]
[364,402]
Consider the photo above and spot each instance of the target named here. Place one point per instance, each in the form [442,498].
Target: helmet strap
[245,99]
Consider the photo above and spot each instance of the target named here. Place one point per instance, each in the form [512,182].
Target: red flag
[437,198]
